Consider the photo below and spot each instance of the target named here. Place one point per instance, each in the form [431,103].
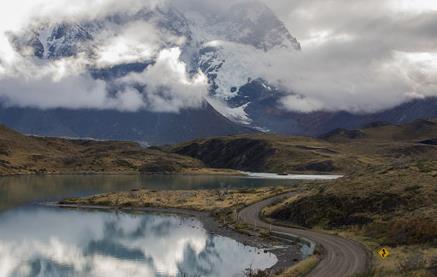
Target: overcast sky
[360,56]
[364,55]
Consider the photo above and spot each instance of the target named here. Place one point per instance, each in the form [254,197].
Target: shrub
[412,262]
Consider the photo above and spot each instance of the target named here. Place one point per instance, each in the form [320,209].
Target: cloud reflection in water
[55,242]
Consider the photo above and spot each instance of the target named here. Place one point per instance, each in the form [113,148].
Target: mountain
[260,102]
[221,43]
[142,126]
[53,42]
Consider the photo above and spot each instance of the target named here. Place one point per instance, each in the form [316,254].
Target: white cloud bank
[359,56]
[168,85]
[165,86]
[65,83]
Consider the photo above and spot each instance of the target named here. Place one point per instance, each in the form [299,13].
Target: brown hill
[263,152]
[20,154]
[343,151]
[378,131]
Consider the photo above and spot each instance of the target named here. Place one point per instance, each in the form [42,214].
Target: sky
[360,56]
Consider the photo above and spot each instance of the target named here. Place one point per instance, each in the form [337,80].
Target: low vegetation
[200,200]
[391,202]
[302,268]
[265,153]
[341,151]
[21,154]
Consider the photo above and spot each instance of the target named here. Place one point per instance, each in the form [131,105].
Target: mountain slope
[145,127]
[261,105]
[21,154]
[344,151]
[84,39]
[416,131]
[268,153]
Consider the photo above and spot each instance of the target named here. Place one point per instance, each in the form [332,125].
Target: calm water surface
[58,242]
[41,241]
[24,190]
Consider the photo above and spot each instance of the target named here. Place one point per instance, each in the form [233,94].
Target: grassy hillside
[341,151]
[265,152]
[395,186]
[396,206]
[391,201]
[379,131]
[344,151]
[21,154]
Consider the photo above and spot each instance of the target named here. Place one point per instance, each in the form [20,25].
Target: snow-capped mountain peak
[222,43]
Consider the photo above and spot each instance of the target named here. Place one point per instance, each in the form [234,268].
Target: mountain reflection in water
[57,242]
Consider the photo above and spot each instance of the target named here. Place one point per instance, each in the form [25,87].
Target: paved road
[340,258]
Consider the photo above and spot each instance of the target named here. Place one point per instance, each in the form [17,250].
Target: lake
[44,241]
[25,190]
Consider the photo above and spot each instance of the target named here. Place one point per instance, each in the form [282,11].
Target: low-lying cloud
[26,81]
[164,86]
[359,56]
[168,85]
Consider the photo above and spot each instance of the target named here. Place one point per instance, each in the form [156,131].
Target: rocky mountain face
[213,41]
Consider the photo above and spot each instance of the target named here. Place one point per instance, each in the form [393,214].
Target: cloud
[77,243]
[301,104]
[359,56]
[66,83]
[19,14]
[168,86]
[131,42]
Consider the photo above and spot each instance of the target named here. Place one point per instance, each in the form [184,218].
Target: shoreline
[126,173]
[297,176]
[288,254]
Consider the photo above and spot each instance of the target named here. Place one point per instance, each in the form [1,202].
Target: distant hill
[21,154]
[414,131]
[142,126]
[339,151]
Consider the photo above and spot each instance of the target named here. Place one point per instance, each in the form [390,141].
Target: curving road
[340,258]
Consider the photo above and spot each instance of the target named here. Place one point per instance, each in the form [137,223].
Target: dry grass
[406,260]
[302,268]
[202,200]
[380,146]
[405,222]
[21,154]
[394,207]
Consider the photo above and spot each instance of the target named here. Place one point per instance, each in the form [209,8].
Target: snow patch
[238,114]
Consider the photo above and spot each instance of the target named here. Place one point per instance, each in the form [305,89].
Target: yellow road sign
[384,253]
